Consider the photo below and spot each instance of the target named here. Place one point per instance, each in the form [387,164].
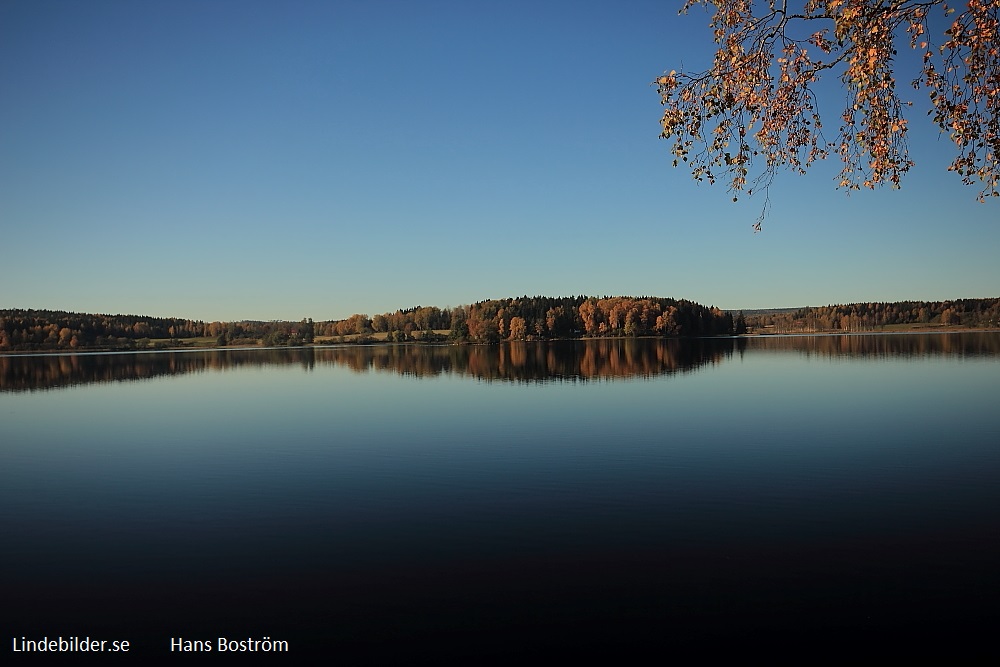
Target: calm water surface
[796,496]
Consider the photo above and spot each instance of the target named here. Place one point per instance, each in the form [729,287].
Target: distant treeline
[524,318]
[56,329]
[28,330]
[972,313]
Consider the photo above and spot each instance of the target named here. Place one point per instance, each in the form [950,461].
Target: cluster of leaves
[754,110]
[965,89]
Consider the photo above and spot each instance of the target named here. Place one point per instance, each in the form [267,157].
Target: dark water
[794,497]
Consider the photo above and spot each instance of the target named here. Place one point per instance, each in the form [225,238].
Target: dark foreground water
[795,498]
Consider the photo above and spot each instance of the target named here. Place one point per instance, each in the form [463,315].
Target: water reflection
[513,362]
[973,344]
[326,497]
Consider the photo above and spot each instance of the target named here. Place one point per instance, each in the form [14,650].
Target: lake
[797,497]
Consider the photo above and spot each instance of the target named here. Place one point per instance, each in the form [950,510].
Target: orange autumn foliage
[754,111]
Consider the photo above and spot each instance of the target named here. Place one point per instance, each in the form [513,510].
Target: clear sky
[279,160]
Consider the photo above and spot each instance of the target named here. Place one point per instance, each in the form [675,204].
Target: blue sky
[264,160]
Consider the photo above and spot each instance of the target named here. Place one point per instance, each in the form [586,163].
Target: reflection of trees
[26,373]
[517,361]
[534,362]
[580,360]
[883,345]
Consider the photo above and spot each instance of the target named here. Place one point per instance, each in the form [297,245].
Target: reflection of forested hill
[539,362]
[528,362]
[580,360]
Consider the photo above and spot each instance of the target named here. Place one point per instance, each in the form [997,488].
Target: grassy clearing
[919,326]
[200,341]
[380,336]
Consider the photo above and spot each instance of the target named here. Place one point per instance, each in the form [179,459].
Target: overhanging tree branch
[754,111]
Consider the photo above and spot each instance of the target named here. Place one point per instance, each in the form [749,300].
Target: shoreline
[917,329]
[932,329]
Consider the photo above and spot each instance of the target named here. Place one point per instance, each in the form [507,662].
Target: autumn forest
[522,318]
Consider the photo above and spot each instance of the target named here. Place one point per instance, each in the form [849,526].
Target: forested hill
[540,317]
[523,318]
